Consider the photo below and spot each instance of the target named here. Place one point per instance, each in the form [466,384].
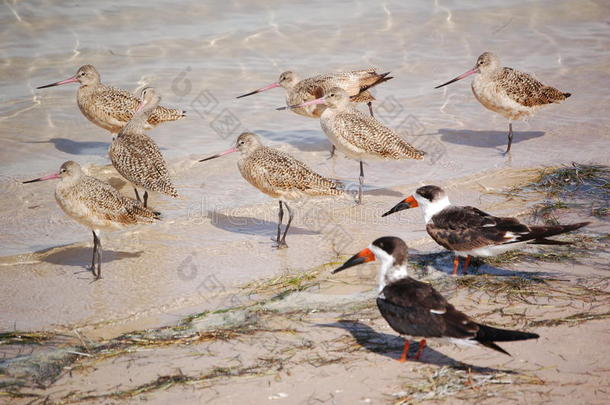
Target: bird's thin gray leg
[280,217]
[332,151]
[135,190]
[370,104]
[145,197]
[94,252]
[510,137]
[99,258]
[97,254]
[283,242]
[361,179]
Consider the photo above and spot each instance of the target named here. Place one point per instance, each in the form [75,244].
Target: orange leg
[420,349]
[466,264]
[405,352]
[456,263]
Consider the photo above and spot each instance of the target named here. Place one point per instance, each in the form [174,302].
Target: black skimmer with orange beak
[415,308]
[468,231]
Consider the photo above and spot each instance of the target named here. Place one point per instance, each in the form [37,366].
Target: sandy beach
[200,307]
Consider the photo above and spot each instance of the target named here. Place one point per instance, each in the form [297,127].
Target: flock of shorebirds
[411,307]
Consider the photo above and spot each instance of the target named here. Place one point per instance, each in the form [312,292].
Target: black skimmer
[415,308]
[468,231]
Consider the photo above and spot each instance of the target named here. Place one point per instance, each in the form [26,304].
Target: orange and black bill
[364,256]
[409,202]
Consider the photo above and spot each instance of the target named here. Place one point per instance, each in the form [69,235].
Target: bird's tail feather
[488,335]
[375,80]
[539,233]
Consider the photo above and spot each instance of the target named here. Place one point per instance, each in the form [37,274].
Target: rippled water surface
[200,55]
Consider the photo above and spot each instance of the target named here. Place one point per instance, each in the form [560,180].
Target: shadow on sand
[80,256]
[391,346]
[443,261]
[254,226]
[78,147]
[485,139]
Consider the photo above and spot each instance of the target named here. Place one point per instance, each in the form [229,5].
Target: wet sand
[216,239]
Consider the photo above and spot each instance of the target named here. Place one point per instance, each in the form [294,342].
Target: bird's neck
[137,124]
[434,207]
[390,273]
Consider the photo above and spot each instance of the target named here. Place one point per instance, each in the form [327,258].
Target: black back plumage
[468,228]
[415,308]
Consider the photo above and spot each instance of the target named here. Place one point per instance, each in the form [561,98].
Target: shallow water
[200,56]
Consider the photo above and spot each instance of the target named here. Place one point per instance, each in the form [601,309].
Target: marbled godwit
[359,136]
[514,94]
[96,205]
[278,175]
[108,107]
[414,308]
[137,157]
[468,231]
[355,83]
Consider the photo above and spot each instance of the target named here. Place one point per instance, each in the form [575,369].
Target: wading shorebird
[511,93]
[355,83]
[96,205]
[468,231]
[278,175]
[416,309]
[137,157]
[108,107]
[358,135]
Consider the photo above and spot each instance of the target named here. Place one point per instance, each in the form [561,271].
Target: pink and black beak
[305,104]
[271,86]
[364,256]
[460,77]
[226,152]
[72,79]
[49,177]
[140,106]
[409,202]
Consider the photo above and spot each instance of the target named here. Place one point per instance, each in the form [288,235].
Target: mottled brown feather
[363,133]
[278,174]
[527,90]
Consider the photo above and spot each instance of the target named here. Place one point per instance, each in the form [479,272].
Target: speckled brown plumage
[96,204]
[111,108]
[359,135]
[278,174]
[526,90]
[511,93]
[356,83]
[137,157]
